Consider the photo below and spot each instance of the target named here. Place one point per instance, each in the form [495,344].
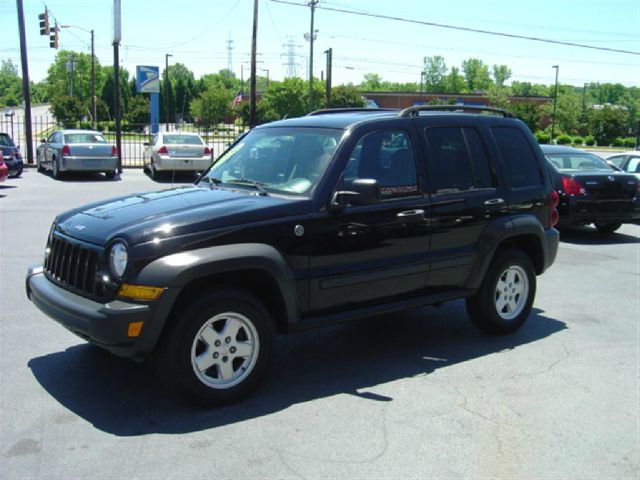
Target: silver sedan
[77,150]
[176,151]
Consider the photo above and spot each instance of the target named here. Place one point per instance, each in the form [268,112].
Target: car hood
[153,216]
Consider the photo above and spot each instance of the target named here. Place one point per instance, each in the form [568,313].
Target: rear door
[466,196]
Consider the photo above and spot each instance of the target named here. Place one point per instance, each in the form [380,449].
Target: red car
[4,170]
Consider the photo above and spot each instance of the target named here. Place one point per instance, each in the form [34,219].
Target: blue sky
[196,33]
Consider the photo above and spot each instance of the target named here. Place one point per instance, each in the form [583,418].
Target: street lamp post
[266,70]
[166,90]
[93,73]
[312,36]
[555,102]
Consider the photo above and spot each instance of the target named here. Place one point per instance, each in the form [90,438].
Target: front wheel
[110,175]
[55,169]
[504,299]
[608,227]
[218,349]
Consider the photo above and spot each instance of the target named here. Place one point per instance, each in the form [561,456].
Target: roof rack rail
[415,110]
[325,111]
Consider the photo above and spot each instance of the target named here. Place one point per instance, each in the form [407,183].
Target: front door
[369,253]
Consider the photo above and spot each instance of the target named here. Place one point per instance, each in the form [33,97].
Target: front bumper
[105,325]
[89,164]
[15,165]
[199,164]
[577,211]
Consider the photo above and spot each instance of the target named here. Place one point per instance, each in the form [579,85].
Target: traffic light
[53,37]
[44,23]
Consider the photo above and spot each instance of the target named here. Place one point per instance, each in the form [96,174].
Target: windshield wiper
[250,183]
[211,181]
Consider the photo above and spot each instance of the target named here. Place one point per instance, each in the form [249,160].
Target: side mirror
[146,144]
[43,140]
[364,191]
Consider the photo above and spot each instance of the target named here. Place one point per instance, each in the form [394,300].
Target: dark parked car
[591,191]
[627,162]
[302,223]
[11,154]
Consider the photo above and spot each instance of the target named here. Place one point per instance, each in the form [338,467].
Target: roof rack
[415,110]
[325,111]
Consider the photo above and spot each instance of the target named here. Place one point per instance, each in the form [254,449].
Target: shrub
[563,139]
[589,141]
[630,142]
[618,142]
[578,140]
[542,137]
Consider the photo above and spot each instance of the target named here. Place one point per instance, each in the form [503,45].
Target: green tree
[59,76]
[68,110]
[454,82]
[107,92]
[289,98]
[476,75]
[137,115]
[435,72]
[372,83]
[212,106]
[498,96]
[10,84]
[607,123]
[526,89]
[529,113]
[501,73]
[344,96]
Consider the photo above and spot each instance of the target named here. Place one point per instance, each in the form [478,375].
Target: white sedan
[176,151]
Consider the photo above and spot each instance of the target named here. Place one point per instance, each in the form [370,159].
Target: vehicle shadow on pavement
[591,236]
[123,398]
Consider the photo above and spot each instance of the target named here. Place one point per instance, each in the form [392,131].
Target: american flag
[236,100]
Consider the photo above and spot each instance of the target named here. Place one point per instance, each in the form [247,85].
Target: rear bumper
[15,165]
[199,164]
[105,325]
[576,212]
[89,164]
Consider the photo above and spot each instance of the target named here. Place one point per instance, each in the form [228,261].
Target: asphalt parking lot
[420,394]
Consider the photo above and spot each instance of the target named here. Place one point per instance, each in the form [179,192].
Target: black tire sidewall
[482,307]
[608,227]
[176,355]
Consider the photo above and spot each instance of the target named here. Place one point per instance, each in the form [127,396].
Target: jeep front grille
[74,266]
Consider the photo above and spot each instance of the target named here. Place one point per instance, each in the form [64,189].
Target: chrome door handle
[494,201]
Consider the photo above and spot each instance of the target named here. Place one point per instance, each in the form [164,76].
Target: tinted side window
[386,156]
[459,159]
[521,163]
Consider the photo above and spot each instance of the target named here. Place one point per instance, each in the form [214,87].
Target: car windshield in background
[285,160]
[182,140]
[577,162]
[84,138]
[5,141]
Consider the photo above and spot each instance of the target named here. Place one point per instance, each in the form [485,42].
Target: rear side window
[459,159]
[521,163]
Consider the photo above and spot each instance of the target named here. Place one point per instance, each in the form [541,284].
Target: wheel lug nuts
[224,359]
[217,343]
[216,354]
[227,340]
[232,349]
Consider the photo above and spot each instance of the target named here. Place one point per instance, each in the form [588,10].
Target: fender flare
[179,269]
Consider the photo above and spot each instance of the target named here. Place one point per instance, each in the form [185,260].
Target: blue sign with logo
[147,79]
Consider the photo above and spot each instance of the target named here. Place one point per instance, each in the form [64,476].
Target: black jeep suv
[301,223]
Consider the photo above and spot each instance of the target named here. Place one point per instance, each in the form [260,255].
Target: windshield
[286,160]
[89,137]
[577,162]
[5,141]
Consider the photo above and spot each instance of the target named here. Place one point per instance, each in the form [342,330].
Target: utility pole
[94,119]
[252,103]
[329,54]
[26,92]
[555,102]
[166,90]
[312,4]
[117,37]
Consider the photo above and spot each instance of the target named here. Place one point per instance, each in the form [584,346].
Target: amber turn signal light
[139,292]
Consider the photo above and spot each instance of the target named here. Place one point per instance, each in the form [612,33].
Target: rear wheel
[153,173]
[608,227]
[55,169]
[504,299]
[39,163]
[110,175]
[218,349]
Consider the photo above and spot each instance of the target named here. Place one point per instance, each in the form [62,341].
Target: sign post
[148,81]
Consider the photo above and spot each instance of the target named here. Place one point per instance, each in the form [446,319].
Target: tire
[39,166]
[198,358]
[504,300]
[110,175]
[153,173]
[55,169]
[607,227]
[17,174]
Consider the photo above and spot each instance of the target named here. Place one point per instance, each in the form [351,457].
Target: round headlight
[118,259]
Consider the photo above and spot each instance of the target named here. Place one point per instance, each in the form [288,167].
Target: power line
[464,29]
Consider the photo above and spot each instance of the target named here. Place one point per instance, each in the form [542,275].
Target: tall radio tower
[290,55]
[229,54]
